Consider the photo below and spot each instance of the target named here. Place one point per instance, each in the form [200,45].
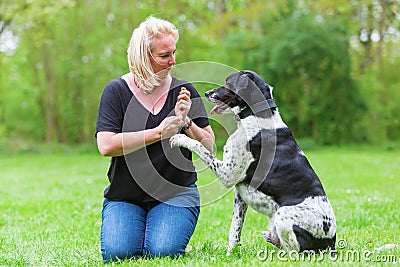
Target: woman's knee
[122,231]
[164,250]
[116,253]
[115,246]
[169,230]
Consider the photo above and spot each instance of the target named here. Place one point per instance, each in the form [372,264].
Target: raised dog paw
[178,140]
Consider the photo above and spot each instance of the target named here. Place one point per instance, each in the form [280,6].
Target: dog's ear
[237,81]
[248,87]
[264,87]
[249,73]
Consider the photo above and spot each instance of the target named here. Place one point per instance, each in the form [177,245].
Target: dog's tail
[308,242]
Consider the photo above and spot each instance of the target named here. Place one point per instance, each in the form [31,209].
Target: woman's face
[162,56]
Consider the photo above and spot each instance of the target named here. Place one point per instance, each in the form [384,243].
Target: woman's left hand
[184,103]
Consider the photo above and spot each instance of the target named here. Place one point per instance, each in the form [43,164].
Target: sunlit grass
[50,211]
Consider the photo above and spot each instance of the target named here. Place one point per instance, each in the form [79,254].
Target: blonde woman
[151,205]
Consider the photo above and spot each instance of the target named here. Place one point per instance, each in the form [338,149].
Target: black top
[156,172]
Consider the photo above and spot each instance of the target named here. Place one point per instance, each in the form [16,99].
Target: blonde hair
[140,48]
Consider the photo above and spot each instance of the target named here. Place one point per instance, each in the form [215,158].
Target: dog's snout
[209,93]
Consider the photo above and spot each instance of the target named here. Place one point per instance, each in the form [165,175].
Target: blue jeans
[130,231]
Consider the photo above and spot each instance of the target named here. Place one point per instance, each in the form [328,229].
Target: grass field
[50,212]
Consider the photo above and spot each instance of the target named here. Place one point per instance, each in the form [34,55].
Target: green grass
[50,211]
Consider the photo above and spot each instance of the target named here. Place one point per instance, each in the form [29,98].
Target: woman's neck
[154,101]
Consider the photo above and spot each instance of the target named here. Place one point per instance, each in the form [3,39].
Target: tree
[311,69]
[341,55]
[374,27]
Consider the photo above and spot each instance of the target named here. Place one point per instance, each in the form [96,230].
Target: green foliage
[331,85]
[382,122]
[314,88]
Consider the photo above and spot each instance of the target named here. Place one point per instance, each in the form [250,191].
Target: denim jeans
[130,231]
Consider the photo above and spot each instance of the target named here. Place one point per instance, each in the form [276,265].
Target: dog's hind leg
[272,238]
[239,214]
[309,242]
[287,238]
[283,221]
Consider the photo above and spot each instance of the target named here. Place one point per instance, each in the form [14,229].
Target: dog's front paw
[178,140]
[231,247]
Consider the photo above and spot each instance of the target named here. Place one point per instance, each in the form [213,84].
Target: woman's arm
[117,144]
[203,135]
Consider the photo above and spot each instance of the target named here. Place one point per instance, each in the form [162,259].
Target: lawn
[51,203]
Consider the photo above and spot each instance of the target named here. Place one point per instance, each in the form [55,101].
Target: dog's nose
[209,93]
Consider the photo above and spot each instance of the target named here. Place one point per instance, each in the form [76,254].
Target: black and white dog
[268,169]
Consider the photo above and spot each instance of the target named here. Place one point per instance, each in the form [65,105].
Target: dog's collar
[258,107]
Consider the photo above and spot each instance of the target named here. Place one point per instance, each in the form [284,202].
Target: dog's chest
[251,125]
[246,130]
[257,200]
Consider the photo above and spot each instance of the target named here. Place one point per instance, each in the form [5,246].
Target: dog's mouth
[219,108]
[222,103]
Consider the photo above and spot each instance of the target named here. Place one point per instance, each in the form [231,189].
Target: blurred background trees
[333,63]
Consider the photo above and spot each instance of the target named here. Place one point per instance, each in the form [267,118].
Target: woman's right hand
[170,126]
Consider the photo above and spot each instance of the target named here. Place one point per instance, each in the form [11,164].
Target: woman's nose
[172,60]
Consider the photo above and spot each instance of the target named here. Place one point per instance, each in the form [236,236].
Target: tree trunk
[380,60]
[50,98]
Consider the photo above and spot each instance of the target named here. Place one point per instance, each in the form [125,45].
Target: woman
[151,206]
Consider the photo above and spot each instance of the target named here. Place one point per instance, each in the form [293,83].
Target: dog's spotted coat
[269,171]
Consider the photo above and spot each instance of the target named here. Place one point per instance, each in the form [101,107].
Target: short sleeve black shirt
[155,172]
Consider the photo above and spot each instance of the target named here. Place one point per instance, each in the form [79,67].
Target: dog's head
[242,91]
